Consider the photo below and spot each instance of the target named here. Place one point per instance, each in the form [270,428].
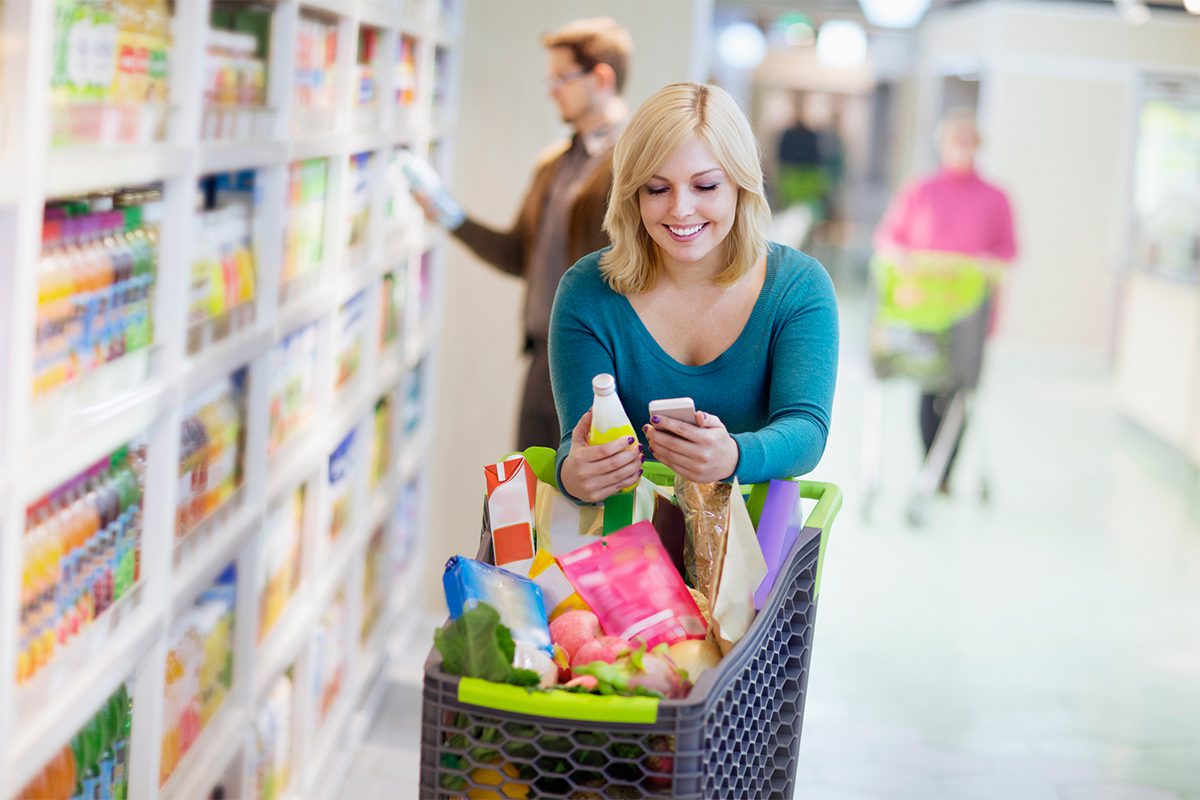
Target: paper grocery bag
[742,569]
[511,495]
[561,525]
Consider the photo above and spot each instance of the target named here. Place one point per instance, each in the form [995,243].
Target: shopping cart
[928,323]
[737,734]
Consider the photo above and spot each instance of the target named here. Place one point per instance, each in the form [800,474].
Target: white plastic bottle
[609,420]
[422,177]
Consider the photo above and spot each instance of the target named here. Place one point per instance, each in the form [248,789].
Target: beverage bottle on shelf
[92,745]
[122,257]
[121,749]
[70,262]
[108,740]
[104,48]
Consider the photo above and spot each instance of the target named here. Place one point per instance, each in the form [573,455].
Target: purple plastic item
[778,526]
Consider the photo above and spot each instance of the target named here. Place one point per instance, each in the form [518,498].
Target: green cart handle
[828,496]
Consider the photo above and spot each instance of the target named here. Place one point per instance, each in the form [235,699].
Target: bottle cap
[604,384]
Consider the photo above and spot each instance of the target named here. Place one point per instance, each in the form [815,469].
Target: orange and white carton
[511,492]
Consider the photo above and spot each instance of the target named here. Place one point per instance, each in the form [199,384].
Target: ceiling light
[1193,6]
[742,45]
[894,13]
[842,44]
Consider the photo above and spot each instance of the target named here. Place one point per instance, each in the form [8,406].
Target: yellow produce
[695,656]
[491,777]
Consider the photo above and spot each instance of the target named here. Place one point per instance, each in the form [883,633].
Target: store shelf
[236,156]
[378,13]
[140,397]
[418,346]
[320,145]
[349,282]
[366,141]
[64,697]
[202,553]
[12,181]
[224,358]
[203,765]
[283,643]
[296,460]
[410,460]
[349,411]
[338,738]
[305,307]
[334,568]
[78,170]
[390,370]
[71,441]
[341,8]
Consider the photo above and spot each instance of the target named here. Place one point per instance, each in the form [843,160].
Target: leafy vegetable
[476,645]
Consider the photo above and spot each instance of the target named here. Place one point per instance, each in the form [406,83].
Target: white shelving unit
[47,441]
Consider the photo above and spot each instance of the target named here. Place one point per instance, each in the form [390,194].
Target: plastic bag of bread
[705,508]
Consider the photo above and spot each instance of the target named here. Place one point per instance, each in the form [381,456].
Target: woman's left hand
[703,453]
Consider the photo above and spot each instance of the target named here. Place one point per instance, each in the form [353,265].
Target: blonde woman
[692,300]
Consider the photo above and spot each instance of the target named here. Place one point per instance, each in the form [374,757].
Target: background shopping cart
[737,734]
[928,324]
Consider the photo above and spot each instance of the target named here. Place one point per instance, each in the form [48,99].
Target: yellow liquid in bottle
[624,432]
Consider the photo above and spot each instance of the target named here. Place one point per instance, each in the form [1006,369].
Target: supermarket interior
[250,383]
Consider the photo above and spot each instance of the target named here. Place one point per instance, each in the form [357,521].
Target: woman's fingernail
[645,429]
[703,415]
[643,458]
[655,420]
[632,440]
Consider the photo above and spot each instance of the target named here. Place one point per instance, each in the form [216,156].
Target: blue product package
[468,582]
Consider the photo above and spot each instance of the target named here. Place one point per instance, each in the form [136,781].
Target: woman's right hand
[592,473]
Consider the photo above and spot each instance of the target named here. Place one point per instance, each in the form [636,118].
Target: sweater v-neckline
[730,352]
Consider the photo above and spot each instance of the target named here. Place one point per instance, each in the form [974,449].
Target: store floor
[1044,646]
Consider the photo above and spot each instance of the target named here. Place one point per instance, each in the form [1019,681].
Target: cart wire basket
[928,324]
[736,735]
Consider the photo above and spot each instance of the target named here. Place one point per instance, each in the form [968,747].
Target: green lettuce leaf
[476,645]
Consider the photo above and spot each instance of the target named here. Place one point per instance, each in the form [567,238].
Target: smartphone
[678,408]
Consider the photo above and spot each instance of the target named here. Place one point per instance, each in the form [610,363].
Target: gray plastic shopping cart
[737,734]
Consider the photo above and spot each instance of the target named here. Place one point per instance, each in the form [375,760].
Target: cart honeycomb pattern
[734,737]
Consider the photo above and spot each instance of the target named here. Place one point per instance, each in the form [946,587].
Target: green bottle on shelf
[124,706]
[78,749]
[109,725]
[91,758]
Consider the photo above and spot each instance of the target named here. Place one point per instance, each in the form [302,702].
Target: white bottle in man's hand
[429,190]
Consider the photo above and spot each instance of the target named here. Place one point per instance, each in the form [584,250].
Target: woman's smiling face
[689,206]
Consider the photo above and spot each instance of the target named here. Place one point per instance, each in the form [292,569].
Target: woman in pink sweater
[951,211]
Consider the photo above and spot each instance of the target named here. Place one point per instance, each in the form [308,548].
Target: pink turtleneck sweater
[954,212]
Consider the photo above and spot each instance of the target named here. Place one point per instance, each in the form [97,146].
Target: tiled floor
[1044,646]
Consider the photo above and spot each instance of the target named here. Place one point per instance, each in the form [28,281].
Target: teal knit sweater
[773,387]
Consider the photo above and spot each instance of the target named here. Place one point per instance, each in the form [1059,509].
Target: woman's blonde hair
[663,124]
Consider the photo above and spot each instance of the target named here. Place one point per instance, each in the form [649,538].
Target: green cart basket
[736,735]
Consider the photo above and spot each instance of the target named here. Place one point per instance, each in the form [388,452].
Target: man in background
[561,217]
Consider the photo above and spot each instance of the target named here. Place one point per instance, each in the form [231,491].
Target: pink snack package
[628,580]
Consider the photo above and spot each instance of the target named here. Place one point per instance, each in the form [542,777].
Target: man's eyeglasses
[559,81]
